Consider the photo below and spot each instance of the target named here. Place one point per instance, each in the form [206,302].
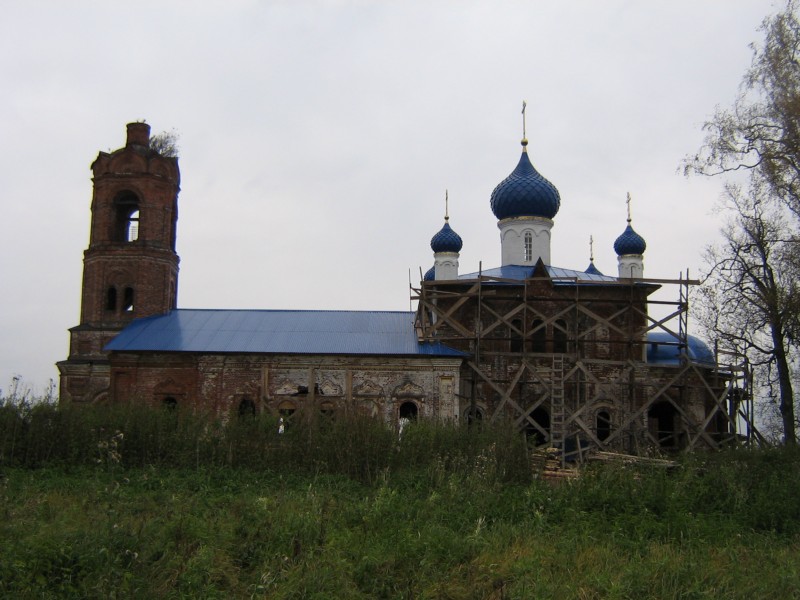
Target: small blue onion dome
[592,270]
[430,274]
[525,193]
[446,240]
[629,242]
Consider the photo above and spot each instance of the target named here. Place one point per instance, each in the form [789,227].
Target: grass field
[132,504]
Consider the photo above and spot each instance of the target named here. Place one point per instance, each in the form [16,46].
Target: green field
[175,508]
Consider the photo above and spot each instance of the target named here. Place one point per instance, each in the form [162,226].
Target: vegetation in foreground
[123,502]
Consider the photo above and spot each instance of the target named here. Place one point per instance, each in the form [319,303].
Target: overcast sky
[317,139]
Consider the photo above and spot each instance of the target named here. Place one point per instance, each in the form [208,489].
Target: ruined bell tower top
[138,134]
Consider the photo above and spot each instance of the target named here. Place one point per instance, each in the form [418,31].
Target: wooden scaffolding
[573,363]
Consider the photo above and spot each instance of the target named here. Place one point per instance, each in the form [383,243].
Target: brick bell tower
[130,269]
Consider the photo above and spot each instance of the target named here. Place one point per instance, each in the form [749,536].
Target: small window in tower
[111,299]
[528,246]
[132,229]
[127,302]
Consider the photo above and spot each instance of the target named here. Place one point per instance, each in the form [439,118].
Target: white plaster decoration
[445,266]
[631,266]
[512,240]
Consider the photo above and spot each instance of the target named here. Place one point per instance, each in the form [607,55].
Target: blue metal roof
[525,193]
[520,273]
[278,332]
[629,242]
[446,240]
[663,348]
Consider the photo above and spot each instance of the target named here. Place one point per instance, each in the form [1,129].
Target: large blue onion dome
[525,193]
[446,240]
[430,274]
[629,242]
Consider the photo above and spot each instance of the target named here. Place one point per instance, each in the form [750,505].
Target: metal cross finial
[446,208]
[591,249]
[628,202]
[524,135]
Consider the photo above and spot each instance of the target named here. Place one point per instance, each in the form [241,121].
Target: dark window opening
[603,425]
[247,408]
[111,299]
[126,222]
[516,335]
[170,403]
[661,420]
[286,410]
[560,336]
[533,433]
[327,410]
[127,301]
[539,337]
[408,410]
[302,390]
[474,415]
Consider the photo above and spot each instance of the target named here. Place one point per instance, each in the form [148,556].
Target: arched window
[127,300]
[528,246]
[662,418]
[560,336]
[126,218]
[247,408]
[408,410]
[327,409]
[111,299]
[538,434]
[539,336]
[473,415]
[603,425]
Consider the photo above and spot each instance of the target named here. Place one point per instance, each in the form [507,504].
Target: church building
[571,357]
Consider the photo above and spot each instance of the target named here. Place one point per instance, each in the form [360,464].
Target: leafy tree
[750,298]
[761,131]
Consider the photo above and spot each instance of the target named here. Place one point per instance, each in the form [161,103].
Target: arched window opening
[539,337]
[516,335]
[127,301]
[528,246]
[603,425]
[474,415]
[169,403]
[247,408]
[111,299]
[126,218]
[327,410]
[408,410]
[560,336]
[662,418]
[538,435]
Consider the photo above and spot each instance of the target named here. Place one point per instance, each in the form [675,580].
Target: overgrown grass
[176,507]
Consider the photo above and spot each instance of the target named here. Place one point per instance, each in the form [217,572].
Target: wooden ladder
[557,409]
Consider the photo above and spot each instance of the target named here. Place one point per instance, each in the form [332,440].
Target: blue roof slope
[663,348]
[520,273]
[278,332]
